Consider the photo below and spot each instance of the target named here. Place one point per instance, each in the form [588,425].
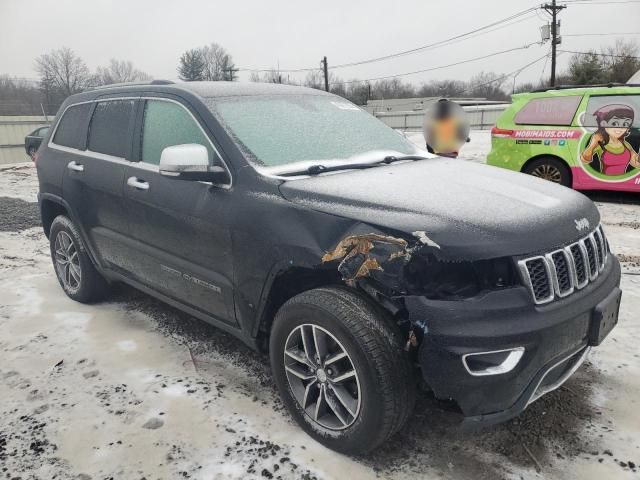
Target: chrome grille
[591,255]
[579,260]
[561,272]
[538,273]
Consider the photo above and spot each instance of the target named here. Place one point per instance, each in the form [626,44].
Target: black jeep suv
[304,226]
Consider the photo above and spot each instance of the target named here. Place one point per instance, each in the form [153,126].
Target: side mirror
[190,162]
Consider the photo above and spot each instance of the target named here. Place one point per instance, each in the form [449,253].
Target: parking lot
[132,388]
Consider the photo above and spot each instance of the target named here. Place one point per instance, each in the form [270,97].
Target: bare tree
[64,71]
[119,71]
[392,88]
[218,63]
[621,60]
[271,76]
[314,79]
[442,88]
[487,85]
[19,96]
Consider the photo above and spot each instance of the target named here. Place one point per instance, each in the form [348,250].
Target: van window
[110,126]
[72,129]
[167,124]
[549,111]
[622,111]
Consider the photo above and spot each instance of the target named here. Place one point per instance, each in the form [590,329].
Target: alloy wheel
[322,377]
[67,261]
[547,172]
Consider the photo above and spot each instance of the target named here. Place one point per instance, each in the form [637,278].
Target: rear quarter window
[72,128]
[548,111]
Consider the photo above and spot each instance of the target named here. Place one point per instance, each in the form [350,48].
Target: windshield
[285,129]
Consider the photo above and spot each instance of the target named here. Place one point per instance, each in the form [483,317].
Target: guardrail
[481,117]
[13,129]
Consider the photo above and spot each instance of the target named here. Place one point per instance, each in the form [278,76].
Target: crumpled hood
[470,210]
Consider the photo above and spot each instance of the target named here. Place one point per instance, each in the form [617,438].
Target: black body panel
[471,210]
[498,321]
[220,252]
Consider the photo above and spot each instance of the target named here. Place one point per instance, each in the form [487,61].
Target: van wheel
[340,369]
[77,276]
[549,168]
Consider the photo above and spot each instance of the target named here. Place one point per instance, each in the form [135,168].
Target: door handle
[135,182]
[75,167]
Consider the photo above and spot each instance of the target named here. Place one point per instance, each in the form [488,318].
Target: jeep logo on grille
[582,224]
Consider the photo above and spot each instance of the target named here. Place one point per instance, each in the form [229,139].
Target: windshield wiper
[318,169]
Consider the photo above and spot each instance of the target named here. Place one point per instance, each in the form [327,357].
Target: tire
[74,269]
[381,395]
[32,153]
[549,168]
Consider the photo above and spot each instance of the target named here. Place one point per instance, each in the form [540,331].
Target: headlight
[443,280]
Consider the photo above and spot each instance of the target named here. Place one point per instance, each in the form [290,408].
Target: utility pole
[553,9]
[325,67]
[230,72]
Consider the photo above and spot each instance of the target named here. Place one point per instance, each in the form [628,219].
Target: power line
[596,2]
[600,54]
[439,43]
[468,34]
[467,37]
[599,34]
[545,65]
[507,75]
[440,67]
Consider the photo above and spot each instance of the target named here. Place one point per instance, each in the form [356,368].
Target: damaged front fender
[398,266]
[377,256]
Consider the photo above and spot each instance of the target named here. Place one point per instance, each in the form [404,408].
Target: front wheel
[549,168]
[340,369]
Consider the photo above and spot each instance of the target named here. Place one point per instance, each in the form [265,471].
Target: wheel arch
[49,210]
[286,284]
[548,155]
[50,207]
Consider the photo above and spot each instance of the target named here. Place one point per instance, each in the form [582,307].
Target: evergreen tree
[191,66]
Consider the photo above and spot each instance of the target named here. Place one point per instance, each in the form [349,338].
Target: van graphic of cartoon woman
[608,152]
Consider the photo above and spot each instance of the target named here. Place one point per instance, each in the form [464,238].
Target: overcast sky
[296,34]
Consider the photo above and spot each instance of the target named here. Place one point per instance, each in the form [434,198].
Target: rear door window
[613,111]
[110,128]
[167,124]
[549,111]
[72,128]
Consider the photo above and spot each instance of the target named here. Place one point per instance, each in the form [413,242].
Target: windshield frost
[283,129]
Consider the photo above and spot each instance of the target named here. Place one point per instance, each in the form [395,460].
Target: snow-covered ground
[476,150]
[131,388]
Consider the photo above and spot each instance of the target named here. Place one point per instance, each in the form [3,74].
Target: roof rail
[599,85]
[132,84]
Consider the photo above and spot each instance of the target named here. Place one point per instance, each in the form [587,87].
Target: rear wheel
[75,271]
[549,168]
[340,369]
[32,153]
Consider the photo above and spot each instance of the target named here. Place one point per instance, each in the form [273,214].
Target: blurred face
[617,127]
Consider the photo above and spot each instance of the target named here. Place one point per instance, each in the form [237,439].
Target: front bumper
[555,337]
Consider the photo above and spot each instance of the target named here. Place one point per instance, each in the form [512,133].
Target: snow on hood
[470,210]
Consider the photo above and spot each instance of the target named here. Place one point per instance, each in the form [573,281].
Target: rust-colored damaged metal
[361,255]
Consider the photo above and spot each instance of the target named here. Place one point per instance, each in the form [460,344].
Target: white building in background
[419,104]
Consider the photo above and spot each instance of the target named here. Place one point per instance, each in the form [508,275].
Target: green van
[587,138]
